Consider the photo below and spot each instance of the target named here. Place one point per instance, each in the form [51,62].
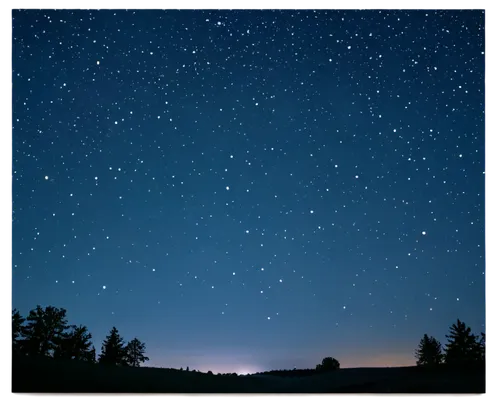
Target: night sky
[251,190]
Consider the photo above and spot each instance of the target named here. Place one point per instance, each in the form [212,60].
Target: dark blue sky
[251,190]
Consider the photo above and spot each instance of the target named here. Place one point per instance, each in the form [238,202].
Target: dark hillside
[48,375]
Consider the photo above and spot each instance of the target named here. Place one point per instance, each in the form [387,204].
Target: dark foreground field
[74,377]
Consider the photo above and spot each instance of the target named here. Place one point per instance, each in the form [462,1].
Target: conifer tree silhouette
[429,351]
[75,344]
[135,350]
[462,348]
[17,331]
[113,349]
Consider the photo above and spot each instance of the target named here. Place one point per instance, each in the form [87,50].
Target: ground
[54,376]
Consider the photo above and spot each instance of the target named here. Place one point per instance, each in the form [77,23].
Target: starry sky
[250,190]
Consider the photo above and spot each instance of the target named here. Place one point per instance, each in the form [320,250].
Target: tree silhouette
[17,331]
[90,356]
[135,353]
[462,348]
[113,349]
[429,351]
[75,345]
[44,330]
[481,347]
[329,364]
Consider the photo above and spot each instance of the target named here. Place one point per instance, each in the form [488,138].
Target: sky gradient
[251,190]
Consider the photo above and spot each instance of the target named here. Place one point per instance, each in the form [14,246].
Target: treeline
[464,349]
[327,364]
[45,332]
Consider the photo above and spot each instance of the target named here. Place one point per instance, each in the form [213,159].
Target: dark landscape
[50,355]
[55,376]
